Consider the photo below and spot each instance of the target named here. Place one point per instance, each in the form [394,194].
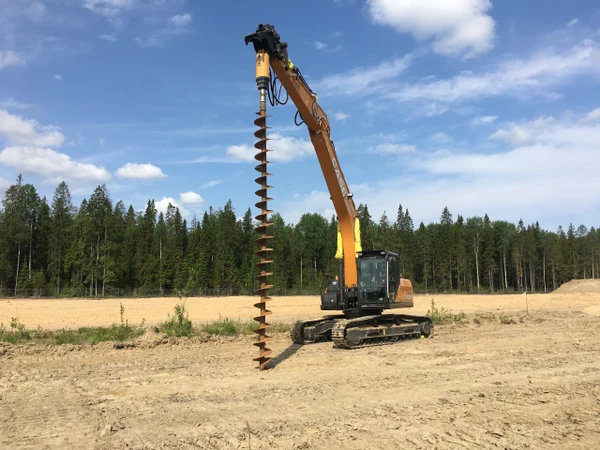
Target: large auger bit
[263,251]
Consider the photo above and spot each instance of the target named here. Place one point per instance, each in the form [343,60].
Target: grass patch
[85,335]
[178,325]
[444,316]
[19,334]
[229,327]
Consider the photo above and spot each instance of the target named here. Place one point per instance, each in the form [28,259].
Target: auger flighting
[263,252]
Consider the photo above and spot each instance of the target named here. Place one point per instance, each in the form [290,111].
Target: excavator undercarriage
[365,331]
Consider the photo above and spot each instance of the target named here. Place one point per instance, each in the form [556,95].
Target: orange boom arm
[269,48]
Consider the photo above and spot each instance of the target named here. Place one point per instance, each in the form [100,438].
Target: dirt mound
[580,287]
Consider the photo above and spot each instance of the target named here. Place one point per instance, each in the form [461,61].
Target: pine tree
[60,231]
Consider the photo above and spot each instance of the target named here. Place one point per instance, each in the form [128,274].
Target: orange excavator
[369,282]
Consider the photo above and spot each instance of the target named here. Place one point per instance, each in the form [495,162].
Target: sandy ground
[73,313]
[503,379]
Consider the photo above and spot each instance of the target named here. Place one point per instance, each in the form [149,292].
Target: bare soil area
[74,313]
[503,379]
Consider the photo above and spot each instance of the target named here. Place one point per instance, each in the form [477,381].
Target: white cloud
[53,166]
[550,131]
[555,164]
[24,132]
[140,172]
[109,8]
[394,149]
[535,76]
[572,22]
[9,58]
[483,120]
[593,115]
[284,149]
[315,202]
[320,45]
[175,25]
[58,77]
[210,184]
[180,22]
[191,198]
[363,80]
[13,104]
[101,141]
[341,116]
[110,37]
[458,27]
[163,204]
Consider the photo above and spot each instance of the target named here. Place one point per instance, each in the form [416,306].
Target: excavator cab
[374,275]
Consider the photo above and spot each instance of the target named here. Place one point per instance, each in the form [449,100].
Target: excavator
[368,282]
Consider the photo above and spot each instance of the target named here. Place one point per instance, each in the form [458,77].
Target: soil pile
[580,287]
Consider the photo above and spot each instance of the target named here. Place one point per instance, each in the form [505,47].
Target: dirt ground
[503,379]
[73,313]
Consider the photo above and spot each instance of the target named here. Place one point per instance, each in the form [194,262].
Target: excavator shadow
[287,353]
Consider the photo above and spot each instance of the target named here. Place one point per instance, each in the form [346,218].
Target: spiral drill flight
[262,81]
[369,282]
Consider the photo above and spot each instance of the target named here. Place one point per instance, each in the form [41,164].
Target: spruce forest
[105,248]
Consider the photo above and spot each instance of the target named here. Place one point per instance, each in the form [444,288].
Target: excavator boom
[267,43]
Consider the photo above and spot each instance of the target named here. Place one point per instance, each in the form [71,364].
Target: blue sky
[483,106]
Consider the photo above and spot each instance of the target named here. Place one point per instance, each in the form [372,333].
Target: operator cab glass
[373,279]
[379,277]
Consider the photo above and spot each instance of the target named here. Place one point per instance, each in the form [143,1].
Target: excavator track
[263,251]
[370,331]
[313,330]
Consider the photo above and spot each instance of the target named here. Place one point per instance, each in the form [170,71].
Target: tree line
[103,248]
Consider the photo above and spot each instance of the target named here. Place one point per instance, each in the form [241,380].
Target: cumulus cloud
[320,45]
[24,132]
[9,58]
[53,166]
[163,204]
[58,77]
[341,116]
[191,198]
[594,115]
[458,27]
[284,149]
[140,172]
